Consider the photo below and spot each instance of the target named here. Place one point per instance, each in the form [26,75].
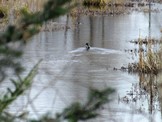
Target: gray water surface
[68,70]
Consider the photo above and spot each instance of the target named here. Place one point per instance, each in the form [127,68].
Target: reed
[149,61]
[94,2]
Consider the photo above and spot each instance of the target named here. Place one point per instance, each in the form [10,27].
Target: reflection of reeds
[145,91]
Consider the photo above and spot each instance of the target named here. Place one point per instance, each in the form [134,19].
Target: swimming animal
[87,46]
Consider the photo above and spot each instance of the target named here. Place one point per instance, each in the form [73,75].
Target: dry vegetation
[149,61]
[11,11]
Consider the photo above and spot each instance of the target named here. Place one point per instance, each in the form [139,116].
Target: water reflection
[68,70]
[116,30]
[144,96]
[149,84]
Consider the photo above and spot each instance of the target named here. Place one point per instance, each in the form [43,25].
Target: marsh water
[68,70]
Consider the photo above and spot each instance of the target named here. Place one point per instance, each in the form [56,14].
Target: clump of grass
[3,12]
[17,11]
[94,3]
[8,7]
[147,63]
[146,41]
[150,63]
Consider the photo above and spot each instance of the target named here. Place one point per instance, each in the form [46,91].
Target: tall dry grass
[33,5]
[151,61]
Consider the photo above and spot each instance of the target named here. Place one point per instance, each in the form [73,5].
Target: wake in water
[94,50]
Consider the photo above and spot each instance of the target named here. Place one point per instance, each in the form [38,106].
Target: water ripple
[95,50]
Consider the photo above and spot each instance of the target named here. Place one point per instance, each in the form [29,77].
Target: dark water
[68,70]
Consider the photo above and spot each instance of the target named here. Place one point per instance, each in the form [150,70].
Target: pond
[68,70]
